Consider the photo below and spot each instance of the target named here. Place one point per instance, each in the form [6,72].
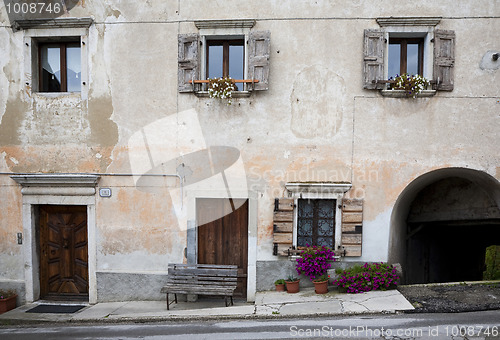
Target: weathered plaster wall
[315,123]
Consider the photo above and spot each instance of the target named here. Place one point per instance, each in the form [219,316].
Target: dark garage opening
[450,224]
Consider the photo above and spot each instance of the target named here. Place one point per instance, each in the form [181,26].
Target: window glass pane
[325,209]
[412,59]
[316,222]
[304,241]
[74,68]
[51,68]
[394,60]
[215,55]
[236,63]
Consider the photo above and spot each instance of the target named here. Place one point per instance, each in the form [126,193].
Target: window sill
[402,94]
[294,258]
[235,94]
[57,94]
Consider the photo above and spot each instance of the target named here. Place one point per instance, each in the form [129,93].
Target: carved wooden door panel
[63,252]
[224,240]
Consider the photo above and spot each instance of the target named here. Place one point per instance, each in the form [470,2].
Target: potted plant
[280,285]
[292,284]
[221,88]
[412,85]
[7,300]
[321,284]
[314,262]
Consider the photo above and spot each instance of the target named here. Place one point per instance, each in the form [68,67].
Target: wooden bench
[201,279]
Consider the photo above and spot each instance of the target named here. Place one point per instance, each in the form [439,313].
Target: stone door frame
[55,189]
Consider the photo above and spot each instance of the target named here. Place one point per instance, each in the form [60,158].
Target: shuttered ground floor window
[316,222]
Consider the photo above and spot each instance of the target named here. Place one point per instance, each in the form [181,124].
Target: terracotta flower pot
[7,304]
[292,286]
[321,287]
[280,287]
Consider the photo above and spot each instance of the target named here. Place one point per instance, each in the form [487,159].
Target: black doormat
[55,309]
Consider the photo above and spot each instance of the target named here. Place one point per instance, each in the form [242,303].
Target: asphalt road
[478,325]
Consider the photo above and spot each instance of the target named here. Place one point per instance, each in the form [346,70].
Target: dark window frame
[225,53]
[63,46]
[403,42]
[315,218]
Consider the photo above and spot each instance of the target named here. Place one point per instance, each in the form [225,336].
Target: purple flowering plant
[359,279]
[313,261]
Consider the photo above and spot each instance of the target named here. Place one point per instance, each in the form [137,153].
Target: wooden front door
[224,240]
[63,252]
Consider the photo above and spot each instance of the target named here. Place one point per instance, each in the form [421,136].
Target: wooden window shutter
[259,51]
[283,225]
[444,59]
[352,226]
[188,61]
[373,59]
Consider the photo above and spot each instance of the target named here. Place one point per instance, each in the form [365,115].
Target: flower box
[8,303]
[402,93]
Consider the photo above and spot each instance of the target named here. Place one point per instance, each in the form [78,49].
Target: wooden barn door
[224,240]
[63,252]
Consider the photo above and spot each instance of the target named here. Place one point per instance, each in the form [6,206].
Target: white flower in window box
[221,88]
[412,85]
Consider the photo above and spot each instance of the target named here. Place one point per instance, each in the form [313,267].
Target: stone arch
[441,222]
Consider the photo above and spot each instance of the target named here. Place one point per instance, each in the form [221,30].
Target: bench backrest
[203,274]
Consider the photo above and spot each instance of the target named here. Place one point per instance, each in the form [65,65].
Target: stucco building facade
[115,162]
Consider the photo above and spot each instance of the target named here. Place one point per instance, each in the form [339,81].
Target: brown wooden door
[64,252]
[224,240]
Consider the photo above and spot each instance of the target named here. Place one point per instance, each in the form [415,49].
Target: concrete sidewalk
[267,305]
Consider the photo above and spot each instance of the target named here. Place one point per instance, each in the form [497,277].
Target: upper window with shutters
[408,45]
[224,48]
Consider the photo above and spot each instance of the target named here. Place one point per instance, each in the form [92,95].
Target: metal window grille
[316,222]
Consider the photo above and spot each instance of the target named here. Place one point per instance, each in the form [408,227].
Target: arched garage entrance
[442,223]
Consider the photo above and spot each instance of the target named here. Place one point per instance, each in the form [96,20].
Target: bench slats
[201,266]
[201,279]
[202,272]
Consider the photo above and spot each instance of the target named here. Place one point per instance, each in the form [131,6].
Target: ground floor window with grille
[316,222]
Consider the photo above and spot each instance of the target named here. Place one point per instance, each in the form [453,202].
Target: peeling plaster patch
[56,120]
[286,154]
[487,63]
[3,162]
[4,81]
[317,103]
[103,131]
[12,119]
[48,158]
